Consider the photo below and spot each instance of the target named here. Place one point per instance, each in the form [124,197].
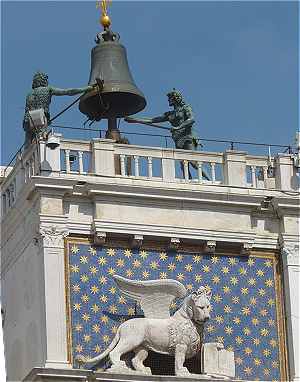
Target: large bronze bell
[120,96]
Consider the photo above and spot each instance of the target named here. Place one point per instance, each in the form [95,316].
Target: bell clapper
[100,86]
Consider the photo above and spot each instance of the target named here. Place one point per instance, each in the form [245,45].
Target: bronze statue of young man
[40,98]
[181,118]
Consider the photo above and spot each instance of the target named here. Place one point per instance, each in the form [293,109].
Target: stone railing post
[49,158]
[284,172]
[291,269]
[103,161]
[168,166]
[235,168]
[55,297]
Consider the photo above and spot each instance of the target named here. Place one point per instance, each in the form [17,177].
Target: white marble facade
[43,202]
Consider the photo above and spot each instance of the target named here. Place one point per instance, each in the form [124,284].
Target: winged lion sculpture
[180,335]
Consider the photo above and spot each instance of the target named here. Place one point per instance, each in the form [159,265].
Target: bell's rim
[130,104]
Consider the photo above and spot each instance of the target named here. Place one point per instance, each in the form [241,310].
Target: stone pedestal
[49,158]
[56,375]
[103,157]
[235,168]
[285,178]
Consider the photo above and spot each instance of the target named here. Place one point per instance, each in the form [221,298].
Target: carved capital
[290,250]
[53,236]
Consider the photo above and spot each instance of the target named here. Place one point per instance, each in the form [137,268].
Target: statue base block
[79,375]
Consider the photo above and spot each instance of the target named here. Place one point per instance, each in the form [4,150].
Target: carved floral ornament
[53,236]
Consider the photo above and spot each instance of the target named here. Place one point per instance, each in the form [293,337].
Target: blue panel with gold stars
[244,300]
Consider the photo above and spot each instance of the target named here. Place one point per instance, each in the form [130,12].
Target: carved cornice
[168,231]
[53,236]
[145,190]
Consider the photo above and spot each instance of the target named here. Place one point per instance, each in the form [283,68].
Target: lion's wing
[154,296]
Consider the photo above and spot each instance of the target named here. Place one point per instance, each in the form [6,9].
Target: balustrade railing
[75,157]
[106,158]
[168,164]
[259,171]
[27,164]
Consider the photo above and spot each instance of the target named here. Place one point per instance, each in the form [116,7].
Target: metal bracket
[246,249]
[137,241]
[210,246]
[99,238]
[174,243]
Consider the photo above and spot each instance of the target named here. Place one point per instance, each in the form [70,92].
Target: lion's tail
[82,359]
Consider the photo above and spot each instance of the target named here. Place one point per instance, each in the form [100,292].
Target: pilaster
[291,269]
[55,295]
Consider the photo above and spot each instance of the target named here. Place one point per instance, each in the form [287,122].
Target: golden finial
[104,19]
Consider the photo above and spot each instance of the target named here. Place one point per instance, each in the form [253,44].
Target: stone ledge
[64,375]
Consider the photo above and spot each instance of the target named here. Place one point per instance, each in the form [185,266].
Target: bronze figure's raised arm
[182,120]
[40,98]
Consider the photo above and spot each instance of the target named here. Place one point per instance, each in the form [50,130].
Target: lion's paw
[119,367]
[183,371]
[147,370]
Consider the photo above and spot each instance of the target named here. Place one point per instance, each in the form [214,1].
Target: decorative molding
[53,236]
[139,189]
[84,227]
[173,231]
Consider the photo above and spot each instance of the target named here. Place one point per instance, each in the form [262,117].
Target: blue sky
[235,62]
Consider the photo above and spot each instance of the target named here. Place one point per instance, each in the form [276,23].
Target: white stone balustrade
[103,157]
[75,157]
[257,168]
[167,159]
[15,177]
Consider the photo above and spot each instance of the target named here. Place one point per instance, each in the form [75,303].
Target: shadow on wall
[162,364]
